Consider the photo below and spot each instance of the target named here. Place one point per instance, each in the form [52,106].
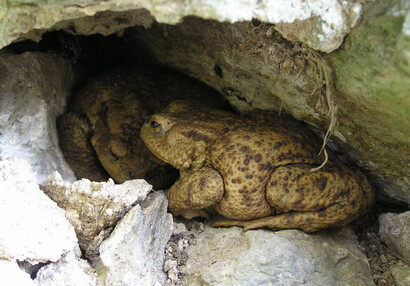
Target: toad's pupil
[154,124]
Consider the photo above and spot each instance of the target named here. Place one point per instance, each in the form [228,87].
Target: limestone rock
[93,208]
[11,274]
[290,257]
[395,233]
[401,274]
[33,92]
[134,253]
[32,228]
[325,22]
[69,270]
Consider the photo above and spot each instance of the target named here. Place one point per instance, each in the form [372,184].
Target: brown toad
[255,170]
[99,136]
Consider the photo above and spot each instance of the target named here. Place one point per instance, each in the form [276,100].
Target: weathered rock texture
[395,232]
[232,257]
[32,228]
[134,253]
[93,208]
[69,270]
[321,24]
[33,92]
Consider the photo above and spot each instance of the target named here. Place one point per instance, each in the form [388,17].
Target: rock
[395,233]
[322,24]
[93,208]
[11,274]
[134,253]
[69,270]
[290,257]
[34,88]
[32,228]
[401,274]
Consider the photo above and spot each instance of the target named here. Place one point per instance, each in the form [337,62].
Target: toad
[99,135]
[257,170]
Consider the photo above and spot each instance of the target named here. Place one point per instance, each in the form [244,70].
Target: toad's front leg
[195,191]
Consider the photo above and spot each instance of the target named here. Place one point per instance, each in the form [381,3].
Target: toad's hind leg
[306,221]
[331,197]
[74,136]
[195,191]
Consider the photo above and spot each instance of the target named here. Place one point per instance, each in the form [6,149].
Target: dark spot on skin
[246,162]
[193,156]
[261,167]
[298,204]
[218,70]
[258,158]
[261,179]
[286,190]
[286,178]
[239,180]
[246,137]
[188,199]
[274,183]
[202,184]
[322,213]
[321,183]
[198,137]
[353,203]
[289,218]
[248,176]
[340,206]
[244,149]
[233,181]
[254,190]
[277,145]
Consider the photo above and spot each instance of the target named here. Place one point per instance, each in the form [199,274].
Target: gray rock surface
[401,274]
[321,24]
[394,231]
[32,227]
[33,92]
[11,274]
[93,208]
[134,253]
[290,257]
[68,271]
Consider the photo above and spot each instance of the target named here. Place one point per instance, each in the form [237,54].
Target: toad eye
[156,126]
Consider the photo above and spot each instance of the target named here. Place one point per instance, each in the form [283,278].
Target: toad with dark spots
[99,135]
[285,194]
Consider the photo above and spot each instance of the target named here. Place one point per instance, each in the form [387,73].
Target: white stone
[289,257]
[93,208]
[134,253]
[332,19]
[33,92]
[11,274]
[68,271]
[32,227]
[395,232]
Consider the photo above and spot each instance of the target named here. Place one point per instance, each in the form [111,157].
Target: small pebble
[169,264]
[173,275]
